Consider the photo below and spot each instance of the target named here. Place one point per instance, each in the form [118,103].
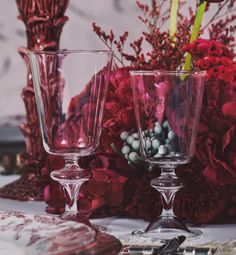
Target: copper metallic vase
[44,20]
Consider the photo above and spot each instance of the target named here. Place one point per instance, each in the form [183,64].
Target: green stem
[195,32]
[173,17]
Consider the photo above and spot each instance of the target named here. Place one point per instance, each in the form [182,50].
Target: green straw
[173,17]
[195,32]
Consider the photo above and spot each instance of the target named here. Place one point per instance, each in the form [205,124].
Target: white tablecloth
[120,227]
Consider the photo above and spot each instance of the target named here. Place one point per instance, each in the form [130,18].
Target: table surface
[121,227]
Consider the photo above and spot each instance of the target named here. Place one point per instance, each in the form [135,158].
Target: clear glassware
[167,109]
[70,90]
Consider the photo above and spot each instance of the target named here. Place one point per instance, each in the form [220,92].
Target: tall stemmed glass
[167,109]
[70,89]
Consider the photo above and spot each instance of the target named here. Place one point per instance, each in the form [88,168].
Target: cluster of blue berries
[158,142]
[131,146]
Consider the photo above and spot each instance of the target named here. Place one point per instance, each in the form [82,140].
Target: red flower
[216,146]
[104,188]
[217,152]
[119,109]
[54,197]
[53,193]
[214,57]
[201,48]
[145,202]
[199,201]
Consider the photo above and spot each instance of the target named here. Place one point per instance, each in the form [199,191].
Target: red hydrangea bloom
[216,146]
[145,202]
[105,188]
[119,109]
[199,201]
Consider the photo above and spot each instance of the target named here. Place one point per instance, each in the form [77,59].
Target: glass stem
[71,192]
[167,202]
[72,161]
[71,187]
[167,184]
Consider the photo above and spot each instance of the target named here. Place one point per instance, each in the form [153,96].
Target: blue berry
[124,135]
[162,150]
[165,124]
[133,156]
[172,153]
[136,145]
[148,144]
[169,147]
[125,149]
[157,129]
[130,139]
[171,135]
[157,124]
[167,141]
[155,144]
[135,135]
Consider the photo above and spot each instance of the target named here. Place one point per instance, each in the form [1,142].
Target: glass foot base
[166,228]
[163,235]
[78,217]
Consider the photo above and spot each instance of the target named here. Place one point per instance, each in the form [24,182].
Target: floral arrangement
[120,184]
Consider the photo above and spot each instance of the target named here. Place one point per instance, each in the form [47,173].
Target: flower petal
[229,109]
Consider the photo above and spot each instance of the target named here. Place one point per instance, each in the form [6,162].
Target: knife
[169,247]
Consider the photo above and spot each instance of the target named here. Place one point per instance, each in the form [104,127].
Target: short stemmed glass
[167,109]
[70,90]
